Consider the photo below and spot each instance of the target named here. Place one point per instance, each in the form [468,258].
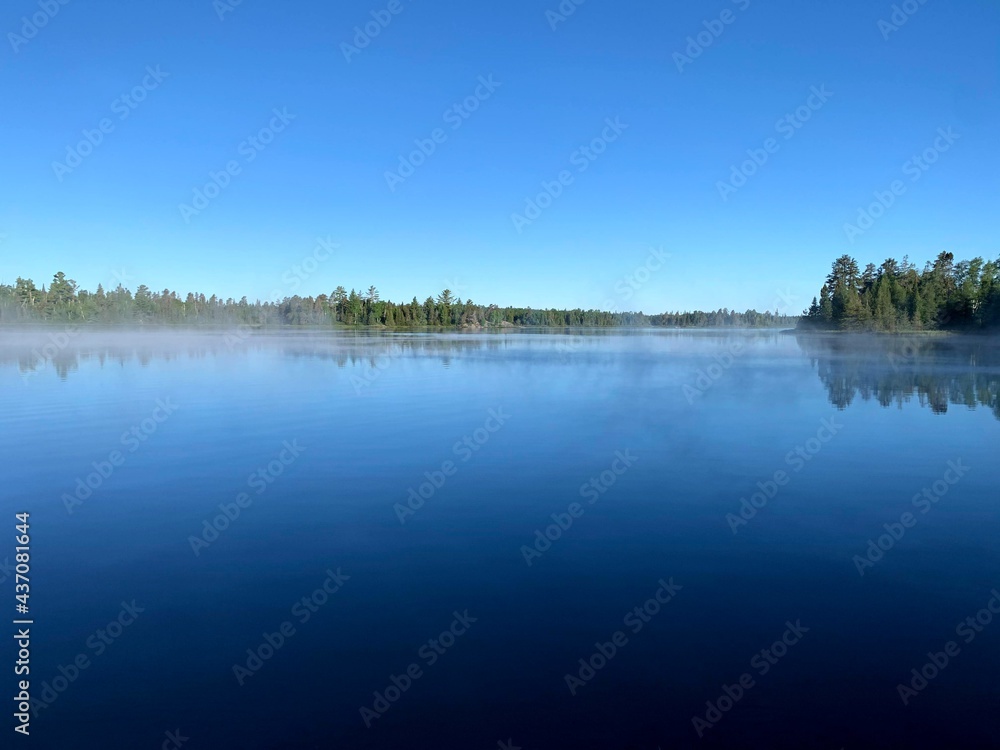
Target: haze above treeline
[63,301]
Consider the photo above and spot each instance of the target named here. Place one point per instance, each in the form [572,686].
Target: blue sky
[683,126]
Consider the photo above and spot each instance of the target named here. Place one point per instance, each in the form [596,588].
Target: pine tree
[885,313]
[825,305]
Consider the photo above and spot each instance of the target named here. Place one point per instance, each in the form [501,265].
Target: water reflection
[933,371]
[937,371]
[66,350]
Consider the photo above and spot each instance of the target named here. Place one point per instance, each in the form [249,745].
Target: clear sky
[655,180]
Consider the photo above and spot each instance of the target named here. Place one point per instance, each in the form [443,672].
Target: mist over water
[545,483]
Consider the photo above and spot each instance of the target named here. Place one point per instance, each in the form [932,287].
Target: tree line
[63,300]
[944,295]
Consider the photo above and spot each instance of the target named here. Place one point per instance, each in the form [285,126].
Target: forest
[63,301]
[897,296]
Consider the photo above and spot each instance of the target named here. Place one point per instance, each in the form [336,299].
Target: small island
[896,296]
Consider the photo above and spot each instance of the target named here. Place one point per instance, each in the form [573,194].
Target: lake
[593,539]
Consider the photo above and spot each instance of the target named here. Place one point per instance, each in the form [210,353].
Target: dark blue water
[323,541]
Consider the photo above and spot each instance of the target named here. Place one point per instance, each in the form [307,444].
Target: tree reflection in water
[939,371]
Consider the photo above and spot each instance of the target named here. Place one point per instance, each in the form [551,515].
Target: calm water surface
[492,509]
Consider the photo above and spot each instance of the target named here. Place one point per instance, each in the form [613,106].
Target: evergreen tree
[885,313]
